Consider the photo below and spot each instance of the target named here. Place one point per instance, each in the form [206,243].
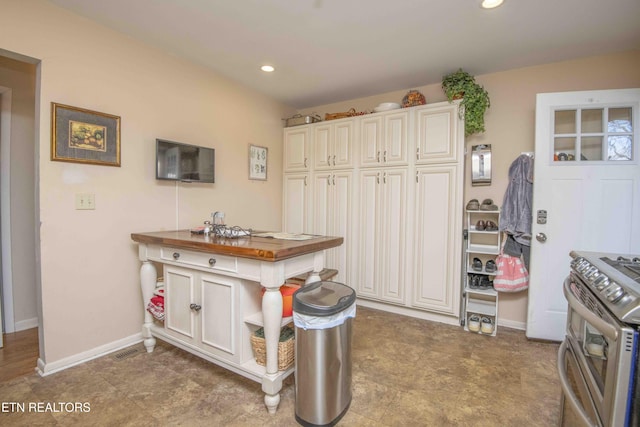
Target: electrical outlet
[85,201]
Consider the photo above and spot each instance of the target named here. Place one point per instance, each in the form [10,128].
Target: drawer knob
[176,255]
[212,262]
[195,307]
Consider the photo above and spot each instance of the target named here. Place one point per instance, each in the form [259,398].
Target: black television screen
[183,162]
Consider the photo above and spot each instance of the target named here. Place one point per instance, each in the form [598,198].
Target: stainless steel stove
[615,279]
[598,361]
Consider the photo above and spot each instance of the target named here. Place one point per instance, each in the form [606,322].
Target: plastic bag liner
[314,322]
[323,305]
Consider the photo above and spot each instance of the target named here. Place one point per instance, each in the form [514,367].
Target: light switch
[85,201]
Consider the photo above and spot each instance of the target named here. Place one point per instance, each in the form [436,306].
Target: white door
[587,179]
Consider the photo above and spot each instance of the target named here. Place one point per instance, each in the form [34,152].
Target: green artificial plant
[475,99]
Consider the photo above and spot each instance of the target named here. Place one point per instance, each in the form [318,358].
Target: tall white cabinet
[391,184]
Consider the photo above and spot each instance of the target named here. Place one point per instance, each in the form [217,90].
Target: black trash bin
[323,314]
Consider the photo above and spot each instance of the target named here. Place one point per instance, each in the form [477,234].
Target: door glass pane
[592,121]
[591,148]
[620,120]
[565,121]
[564,149]
[619,147]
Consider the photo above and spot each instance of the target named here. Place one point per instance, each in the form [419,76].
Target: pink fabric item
[512,275]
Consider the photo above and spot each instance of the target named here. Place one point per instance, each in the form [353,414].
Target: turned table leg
[272,317]
[148,279]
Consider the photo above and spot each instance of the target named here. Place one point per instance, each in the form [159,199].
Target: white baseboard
[45,369]
[23,325]
[512,324]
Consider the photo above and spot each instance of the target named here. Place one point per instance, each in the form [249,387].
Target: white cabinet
[333,215]
[202,310]
[436,127]
[296,203]
[333,144]
[382,222]
[296,148]
[384,139]
[437,246]
[483,245]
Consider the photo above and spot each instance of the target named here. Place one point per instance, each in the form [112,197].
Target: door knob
[541,237]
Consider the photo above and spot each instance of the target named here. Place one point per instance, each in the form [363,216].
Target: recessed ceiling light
[490,4]
[267,68]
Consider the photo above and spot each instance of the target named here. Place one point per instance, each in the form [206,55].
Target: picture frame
[79,135]
[258,157]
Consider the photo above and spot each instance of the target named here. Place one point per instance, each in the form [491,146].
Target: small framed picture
[84,136]
[258,162]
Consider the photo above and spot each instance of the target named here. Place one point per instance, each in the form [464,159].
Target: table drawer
[200,259]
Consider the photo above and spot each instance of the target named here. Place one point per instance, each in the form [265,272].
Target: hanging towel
[516,214]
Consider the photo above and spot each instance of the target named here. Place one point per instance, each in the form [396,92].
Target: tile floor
[405,372]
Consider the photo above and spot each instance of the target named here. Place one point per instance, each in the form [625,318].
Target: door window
[593,134]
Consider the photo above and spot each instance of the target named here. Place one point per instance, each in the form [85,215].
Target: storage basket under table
[286,347]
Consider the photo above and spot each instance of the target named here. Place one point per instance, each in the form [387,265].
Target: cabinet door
[296,148]
[180,320]
[436,131]
[322,150]
[342,155]
[296,203]
[218,316]
[391,241]
[396,128]
[370,141]
[322,206]
[369,219]
[437,237]
[340,215]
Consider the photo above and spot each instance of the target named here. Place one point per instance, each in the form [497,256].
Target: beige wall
[90,288]
[18,183]
[510,122]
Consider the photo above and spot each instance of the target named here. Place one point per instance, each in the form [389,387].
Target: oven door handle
[601,325]
[566,387]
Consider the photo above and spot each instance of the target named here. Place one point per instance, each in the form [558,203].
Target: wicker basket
[333,116]
[286,351]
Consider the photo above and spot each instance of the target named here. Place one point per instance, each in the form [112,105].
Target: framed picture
[84,136]
[257,162]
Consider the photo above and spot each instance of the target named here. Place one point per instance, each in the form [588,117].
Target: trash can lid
[323,298]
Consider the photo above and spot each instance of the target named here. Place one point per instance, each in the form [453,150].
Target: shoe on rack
[474,281]
[477,264]
[487,325]
[474,323]
[473,205]
[490,266]
[490,226]
[484,283]
[481,225]
[487,205]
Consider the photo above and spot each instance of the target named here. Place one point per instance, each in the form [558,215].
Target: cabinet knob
[212,262]
[195,307]
[176,255]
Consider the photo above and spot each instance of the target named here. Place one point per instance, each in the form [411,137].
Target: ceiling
[328,51]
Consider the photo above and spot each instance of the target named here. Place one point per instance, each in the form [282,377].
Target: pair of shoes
[490,267]
[486,326]
[473,205]
[487,205]
[474,323]
[476,265]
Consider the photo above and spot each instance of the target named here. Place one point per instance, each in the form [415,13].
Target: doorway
[19,269]
[585,192]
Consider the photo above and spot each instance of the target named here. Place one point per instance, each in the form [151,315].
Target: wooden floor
[19,355]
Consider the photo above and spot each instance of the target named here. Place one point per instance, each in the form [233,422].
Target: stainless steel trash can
[323,315]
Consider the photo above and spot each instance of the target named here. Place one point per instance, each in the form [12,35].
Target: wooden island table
[213,295]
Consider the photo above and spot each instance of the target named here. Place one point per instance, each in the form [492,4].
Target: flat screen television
[184,162]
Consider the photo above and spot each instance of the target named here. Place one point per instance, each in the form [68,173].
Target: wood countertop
[258,248]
